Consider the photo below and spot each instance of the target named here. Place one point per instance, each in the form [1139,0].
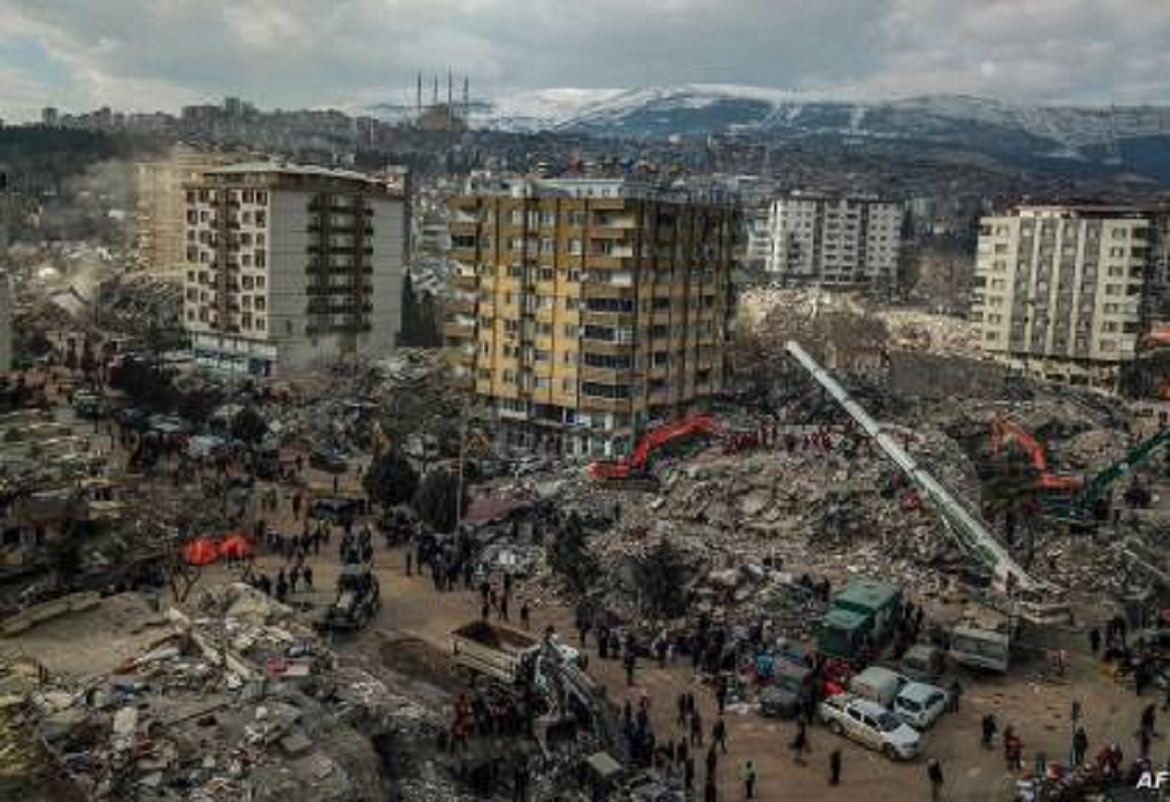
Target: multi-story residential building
[292,267]
[834,241]
[1067,292]
[584,310]
[160,233]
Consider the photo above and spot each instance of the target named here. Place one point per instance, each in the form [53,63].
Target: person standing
[799,744]
[719,735]
[835,767]
[989,728]
[749,780]
[934,773]
[1080,746]
[710,794]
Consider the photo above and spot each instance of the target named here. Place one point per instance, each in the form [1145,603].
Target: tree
[570,559]
[391,480]
[435,500]
[249,426]
[663,576]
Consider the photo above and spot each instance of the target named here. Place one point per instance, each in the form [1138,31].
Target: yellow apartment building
[582,311]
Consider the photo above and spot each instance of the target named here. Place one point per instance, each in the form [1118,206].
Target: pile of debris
[237,701]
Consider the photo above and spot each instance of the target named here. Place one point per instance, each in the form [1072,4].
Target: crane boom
[967,530]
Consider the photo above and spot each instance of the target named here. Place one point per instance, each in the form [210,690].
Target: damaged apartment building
[292,267]
[583,310]
[1071,293]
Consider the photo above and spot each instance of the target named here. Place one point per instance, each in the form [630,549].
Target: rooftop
[299,170]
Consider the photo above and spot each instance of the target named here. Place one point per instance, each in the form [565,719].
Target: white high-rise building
[292,267]
[1065,292]
[834,241]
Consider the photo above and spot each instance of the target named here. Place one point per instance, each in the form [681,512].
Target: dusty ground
[1037,707]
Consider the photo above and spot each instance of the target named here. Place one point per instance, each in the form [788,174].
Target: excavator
[1074,499]
[635,468]
[1005,431]
[1091,504]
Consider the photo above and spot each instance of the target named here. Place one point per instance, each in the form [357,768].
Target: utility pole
[462,460]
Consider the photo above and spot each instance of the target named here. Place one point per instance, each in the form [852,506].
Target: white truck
[502,653]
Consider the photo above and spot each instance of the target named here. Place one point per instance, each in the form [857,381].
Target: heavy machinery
[636,467]
[1091,504]
[1011,592]
[358,599]
[1005,431]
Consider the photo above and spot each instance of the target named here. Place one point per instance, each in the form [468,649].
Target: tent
[200,551]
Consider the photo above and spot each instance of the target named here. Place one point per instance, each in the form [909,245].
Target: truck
[501,653]
[864,612]
[982,644]
[358,599]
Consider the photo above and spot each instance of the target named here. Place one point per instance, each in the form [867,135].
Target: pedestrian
[409,563]
[696,729]
[835,767]
[955,691]
[1080,747]
[712,761]
[799,744]
[721,693]
[629,662]
[682,709]
[749,780]
[524,615]
[989,728]
[934,772]
[709,792]
[307,577]
[719,734]
[1149,718]
[484,610]
[503,607]
[1094,640]
[689,775]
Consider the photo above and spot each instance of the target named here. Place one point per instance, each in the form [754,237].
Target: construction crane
[1085,506]
[1004,431]
[971,534]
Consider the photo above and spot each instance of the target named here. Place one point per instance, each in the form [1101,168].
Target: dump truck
[358,599]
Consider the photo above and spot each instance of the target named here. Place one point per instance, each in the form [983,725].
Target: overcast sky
[148,54]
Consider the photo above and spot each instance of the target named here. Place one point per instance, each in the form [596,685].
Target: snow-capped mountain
[716,108]
[1104,137]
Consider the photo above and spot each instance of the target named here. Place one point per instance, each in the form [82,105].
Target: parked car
[328,460]
[923,663]
[871,725]
[791,683]
[920,705]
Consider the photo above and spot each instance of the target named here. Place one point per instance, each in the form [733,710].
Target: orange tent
[200,551]
[237,547]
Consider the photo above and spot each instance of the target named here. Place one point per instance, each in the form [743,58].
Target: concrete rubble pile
[238,701]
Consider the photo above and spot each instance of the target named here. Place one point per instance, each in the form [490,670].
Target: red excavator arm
[1005,431]
[701,423]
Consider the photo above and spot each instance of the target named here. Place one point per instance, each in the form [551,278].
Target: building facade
[582,311]
[291,267]
[1066,293]
[160,233]
[834,241]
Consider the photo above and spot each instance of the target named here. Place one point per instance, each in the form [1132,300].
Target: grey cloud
[305,52]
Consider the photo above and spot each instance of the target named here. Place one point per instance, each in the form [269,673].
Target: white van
[878,685]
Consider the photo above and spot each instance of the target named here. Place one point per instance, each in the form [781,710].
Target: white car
[871,725]
[920,705]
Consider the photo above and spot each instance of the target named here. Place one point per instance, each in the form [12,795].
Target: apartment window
[509,377]
[612,391]
[261,197]
[260,303]
[261,260]
[548,218]
[566,385]
[1109,345]
[261,218]
[575,247]
[570,330]
[1111,309]
[246,282]
[246,218]
[539,355]
[517,217]
[991,335]
[259,282]
[1113,289]
[1118,233]
[546,245]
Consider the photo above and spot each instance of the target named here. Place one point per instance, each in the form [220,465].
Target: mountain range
[1131,139]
